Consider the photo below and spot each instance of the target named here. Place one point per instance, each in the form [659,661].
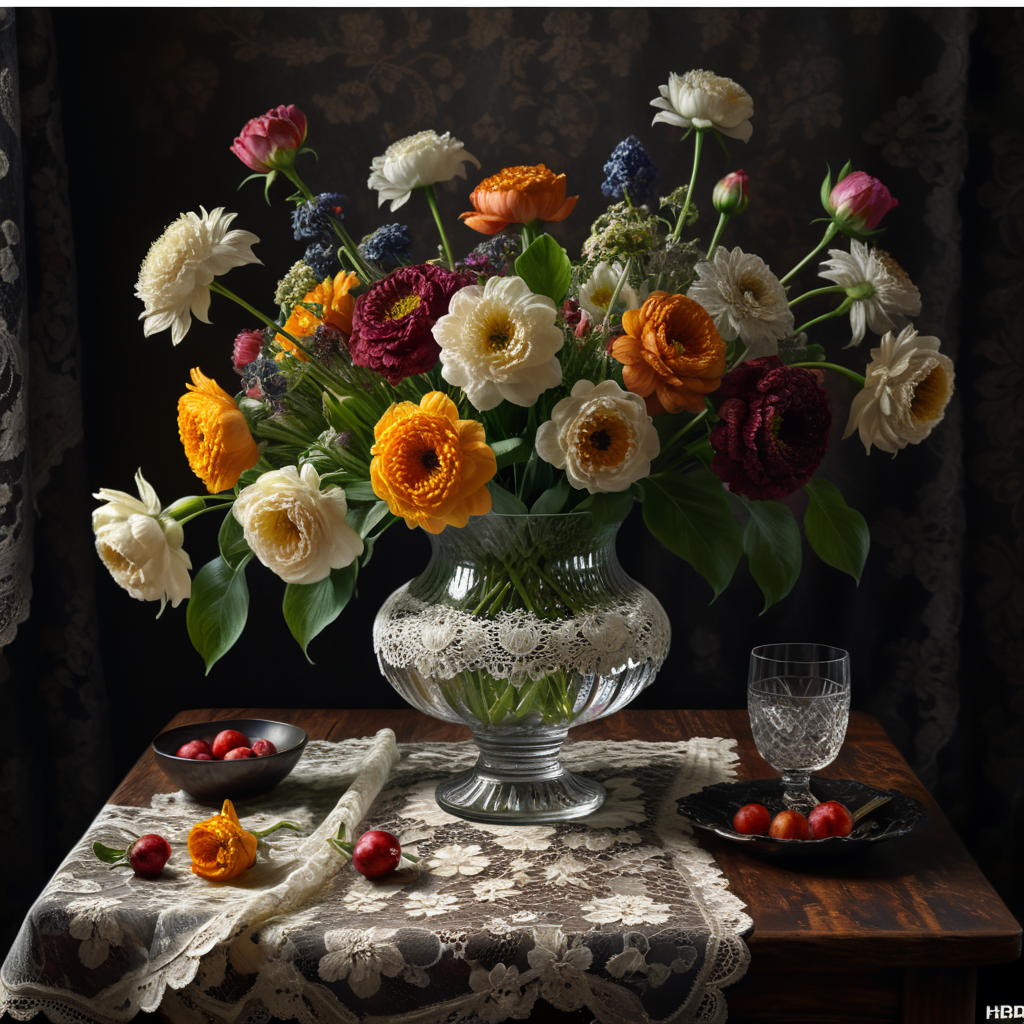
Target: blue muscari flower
[312,220]
[266,374]
[320,257]
[630,170]
[388,244]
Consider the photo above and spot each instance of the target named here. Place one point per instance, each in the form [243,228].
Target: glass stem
[797,790]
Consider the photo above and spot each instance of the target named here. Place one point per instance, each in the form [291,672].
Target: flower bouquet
[514,403]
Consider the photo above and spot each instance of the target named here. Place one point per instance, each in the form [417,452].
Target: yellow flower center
[404,306]
[601,297]
[114,560]
[498,332]
[603,441]
[930,396]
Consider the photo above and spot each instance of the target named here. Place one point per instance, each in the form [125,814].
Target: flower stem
[432,200]
[722,220]
[842,308]
[697,419]
[293,176]
[698,142]
[834,289]
[219,289]
[848,374]
[209,508]
[615,294]
[829,233]
[273,828]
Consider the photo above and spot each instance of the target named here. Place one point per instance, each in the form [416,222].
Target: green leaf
[691,517]
[607,508]
[771,541]
[217,609]
[553,500]
[364,519]
[545,268]
[360,490]
[107,854]
[234,548]
[826,189]
[513,449]
[837,533]
[309,607]
[504,503]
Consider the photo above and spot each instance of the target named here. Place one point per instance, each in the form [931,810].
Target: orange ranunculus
[220,848]
[429,466]
[216,437]
[518,195]
[672,354]
[337,305]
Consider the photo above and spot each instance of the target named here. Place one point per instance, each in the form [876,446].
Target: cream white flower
[601,436]
[495,889]
[567,870]
[180,265]
[420,159]
[95,922]
[457,860]
[499,342]
[889,295]
[597,291]
[627,909]
[705,100]
[295,529]
[142,548]
[360,958]
[426,904]
[907,386]
[745,299]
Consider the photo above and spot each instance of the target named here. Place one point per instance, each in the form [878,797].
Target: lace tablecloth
[622,913]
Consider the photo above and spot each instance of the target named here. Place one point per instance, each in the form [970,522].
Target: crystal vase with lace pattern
[521,626]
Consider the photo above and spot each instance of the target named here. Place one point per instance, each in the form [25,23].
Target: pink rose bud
[248,346]
[583,327]
[731,194]
[270,142]
[859,202]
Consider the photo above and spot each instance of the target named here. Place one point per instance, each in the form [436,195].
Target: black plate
[714,806]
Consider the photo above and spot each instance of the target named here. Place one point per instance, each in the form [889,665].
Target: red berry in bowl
[148,855]
[752,820]
[788,825]
[376,854]
[193,748]
[238,754]
[829,819]
[204,757]
[227,740]
[263,748]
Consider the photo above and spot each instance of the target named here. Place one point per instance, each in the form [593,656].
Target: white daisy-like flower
[563,967]
[627,909]
[566,870]
[745,299]
[601,436]
[426,904]
[520,837]
[888,295]
[359,957]
[705,100]
[142,548]
[907,386]
[421,159]
[499,342]
[458,860]
[600,839]
[495,889]
[180,265]
[597,291]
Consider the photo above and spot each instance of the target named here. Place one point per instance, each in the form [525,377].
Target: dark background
[926,100]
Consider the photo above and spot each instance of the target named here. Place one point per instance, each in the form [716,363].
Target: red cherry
[263,748]
[752,820]
[228,739]
[238,754]
[149,854]
[829,819]
[204,757]
[376,854]
[788,825]
[193,748]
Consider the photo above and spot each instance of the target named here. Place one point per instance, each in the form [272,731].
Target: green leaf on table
[217,609]
[511,450]
[310,607]
[107,854]
[503,502]
[234,548]
[545,268]
[366,517]
[771,541]
[691,517]
[837,533]
[553,500]
[607,507]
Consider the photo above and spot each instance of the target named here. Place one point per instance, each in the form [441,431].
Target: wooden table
[893,935]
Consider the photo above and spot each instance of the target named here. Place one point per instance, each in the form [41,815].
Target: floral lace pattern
[622,913]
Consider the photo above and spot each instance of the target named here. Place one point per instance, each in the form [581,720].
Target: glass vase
[521,626]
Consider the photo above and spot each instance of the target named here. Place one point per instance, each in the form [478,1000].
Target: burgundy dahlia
[774,428]
[392,323]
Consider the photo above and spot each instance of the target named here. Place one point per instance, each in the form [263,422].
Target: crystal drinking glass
[798,696]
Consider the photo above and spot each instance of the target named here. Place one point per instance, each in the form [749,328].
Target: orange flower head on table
[429,466]
[216,437]
[518,195]
[220,848]
[337,304]
[672,354]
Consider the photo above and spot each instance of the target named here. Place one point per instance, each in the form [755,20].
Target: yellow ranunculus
[220,848]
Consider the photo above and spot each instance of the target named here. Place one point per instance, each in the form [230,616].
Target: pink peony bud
[859,202]
[731,194]
[270,142]
[248,346]
[583,327]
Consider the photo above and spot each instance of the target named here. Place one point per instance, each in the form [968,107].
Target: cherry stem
[274,828]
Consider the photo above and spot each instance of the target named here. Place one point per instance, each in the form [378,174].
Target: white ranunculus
[500,342]
[420,159]
[601,436]
[745,300]
[596,292]
[180,265]
[295,529]
[141,547]
[705,100]
[907,386]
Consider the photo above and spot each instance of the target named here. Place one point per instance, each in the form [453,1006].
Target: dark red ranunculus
[774,428]
[392,323]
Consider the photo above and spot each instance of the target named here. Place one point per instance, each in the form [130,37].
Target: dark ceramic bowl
[214,781]
[713,808]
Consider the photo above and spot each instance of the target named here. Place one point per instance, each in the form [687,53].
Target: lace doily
[443,641]
[621,913]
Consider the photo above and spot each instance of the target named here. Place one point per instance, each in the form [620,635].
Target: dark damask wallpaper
[151,101]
